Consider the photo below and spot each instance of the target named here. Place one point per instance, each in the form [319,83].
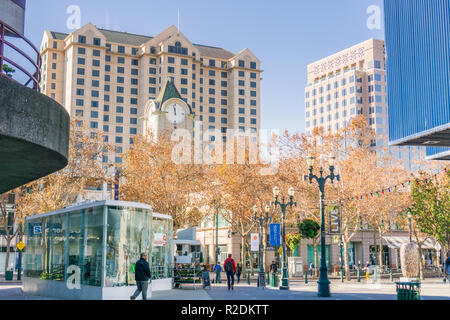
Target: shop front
[88,251]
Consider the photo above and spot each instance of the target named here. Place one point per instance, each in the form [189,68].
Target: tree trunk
[8,249]
[421,275]
[346,261]
[265,250]
[380,254]
[316,258]
[244,265]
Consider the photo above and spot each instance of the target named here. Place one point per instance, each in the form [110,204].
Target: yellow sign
[20,246]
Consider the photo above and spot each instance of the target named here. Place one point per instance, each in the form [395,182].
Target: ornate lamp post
[283,205]
[263,220]
[324,283]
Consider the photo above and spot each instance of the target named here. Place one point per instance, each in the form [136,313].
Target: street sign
[275,234]
[254,242]
[20,246]
[334,219]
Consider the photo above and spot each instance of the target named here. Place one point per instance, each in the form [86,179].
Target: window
[212,63]
[96,63]
[79,102]
[241,74]
[133,120]
[121,49]
[170,69]
[252,121]
[252,65]
[80,82]
[212,119]
[95,73]
[119,140]
[242,110]
[94,125]
[170,59]
[97,42]
[82,50]
[184,62]
[152,61]
[133,131]
[212,110]
[120,80]
[241,101]
[224,111]
[81,39]
[241,120]
[119,119]
[133,111]
[242,63]
[94,114]
[253,75]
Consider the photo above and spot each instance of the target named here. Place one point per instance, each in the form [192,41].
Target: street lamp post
[263,220]
[324,283]
[283,205]
[410,227]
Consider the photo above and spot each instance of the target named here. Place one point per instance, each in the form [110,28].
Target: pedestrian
[217,269]
[230,268]
[447,268]
[273,267]
[311,269]
[142,275]
[238,272]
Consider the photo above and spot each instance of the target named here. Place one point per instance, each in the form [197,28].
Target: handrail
[36,76]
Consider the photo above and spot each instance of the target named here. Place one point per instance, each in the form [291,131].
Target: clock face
[175,113]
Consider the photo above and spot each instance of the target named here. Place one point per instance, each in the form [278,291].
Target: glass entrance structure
[89,251]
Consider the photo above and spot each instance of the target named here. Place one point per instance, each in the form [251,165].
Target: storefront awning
[397,242]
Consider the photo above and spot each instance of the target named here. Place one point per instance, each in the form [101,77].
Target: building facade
[418,48]
[347,84]
[106,78]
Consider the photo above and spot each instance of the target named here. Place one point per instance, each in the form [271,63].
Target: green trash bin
[408,291]
[274,280]
[9,275]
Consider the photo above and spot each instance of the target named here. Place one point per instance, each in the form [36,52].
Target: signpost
[275,234]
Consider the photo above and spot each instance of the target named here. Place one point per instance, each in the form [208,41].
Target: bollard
[248,277]
[391,276]
[306,277]
[268,278]
[359,276]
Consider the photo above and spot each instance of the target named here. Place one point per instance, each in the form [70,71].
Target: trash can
[274,279]
[408,290]
[9,275]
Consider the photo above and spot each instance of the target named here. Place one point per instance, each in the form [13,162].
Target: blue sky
[285,35]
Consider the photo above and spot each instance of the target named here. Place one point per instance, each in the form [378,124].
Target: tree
[152,176]
[431,206]
[84,171]
[7,223]
[65,187]
[8,70]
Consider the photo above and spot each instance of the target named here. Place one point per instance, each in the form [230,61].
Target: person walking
[218,269]
[311,269]
[238,272]
[230,268]
[447,268]
[273,267]
[142,275]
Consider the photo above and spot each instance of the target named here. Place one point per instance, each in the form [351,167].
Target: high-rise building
[107,78]
[349,83]
[418,49]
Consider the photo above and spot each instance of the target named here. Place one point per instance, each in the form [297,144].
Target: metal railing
[34,76]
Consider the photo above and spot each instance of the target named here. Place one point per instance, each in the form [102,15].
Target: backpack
[229,266]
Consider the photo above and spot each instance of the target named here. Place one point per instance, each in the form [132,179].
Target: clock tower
[168,112]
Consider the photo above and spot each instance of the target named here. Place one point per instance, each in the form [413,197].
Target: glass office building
[418,49]
[89,251]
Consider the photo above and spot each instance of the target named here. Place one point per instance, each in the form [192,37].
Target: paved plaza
[431,290]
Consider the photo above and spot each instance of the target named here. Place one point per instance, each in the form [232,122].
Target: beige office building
[349,83]
[107,78]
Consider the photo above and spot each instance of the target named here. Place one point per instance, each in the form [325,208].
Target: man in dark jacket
[230,268]
[142,275]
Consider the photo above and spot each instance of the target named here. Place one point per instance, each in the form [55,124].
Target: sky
[285,35]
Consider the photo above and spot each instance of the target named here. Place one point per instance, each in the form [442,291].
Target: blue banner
[275,232]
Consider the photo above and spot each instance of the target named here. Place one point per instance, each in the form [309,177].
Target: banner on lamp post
[334,213]
[254,242]
[275,234]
